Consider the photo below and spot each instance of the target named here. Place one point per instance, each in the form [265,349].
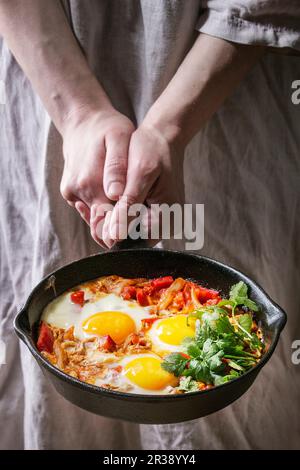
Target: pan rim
[97,390]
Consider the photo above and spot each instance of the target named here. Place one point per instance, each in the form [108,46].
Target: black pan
[146,262]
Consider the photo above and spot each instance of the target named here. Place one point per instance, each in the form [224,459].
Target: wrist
[87,100]
[167,126]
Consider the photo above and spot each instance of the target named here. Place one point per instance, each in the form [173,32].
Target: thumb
[115,167]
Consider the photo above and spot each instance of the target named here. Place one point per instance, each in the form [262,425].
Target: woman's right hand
[95,147]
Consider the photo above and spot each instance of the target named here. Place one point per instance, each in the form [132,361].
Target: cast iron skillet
[146,262]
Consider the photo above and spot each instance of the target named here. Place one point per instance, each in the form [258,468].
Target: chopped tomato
[162,282]
[107,343]
[134,339]
[129,292]
[142,298]
[148,289]
[77,297]
[118,369]
[46,339]
[147,322]
[205,294]
[186,356]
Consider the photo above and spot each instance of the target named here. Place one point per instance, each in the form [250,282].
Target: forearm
[209,73]
[39,36]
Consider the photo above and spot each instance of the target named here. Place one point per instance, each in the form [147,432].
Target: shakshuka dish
[151,336]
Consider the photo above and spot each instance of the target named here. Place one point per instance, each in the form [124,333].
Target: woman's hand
[209,73]
[95,146]
[154,176]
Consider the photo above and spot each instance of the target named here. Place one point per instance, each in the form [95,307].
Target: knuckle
[82,184]
[116,164]
[67,192]
[120,132]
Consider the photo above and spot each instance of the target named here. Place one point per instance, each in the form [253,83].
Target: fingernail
[115,190]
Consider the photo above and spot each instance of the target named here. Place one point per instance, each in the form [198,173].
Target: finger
[83,210]
[106,231]
[139,183]
[115,167]
[98,215]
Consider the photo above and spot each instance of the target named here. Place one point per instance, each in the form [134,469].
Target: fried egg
[139,373]
[167,334]
[107,314]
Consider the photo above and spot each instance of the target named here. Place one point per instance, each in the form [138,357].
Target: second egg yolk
[173,330]
[117,325]
[146,372]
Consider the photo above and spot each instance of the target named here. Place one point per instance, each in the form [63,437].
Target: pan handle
[278,316]
[21,325]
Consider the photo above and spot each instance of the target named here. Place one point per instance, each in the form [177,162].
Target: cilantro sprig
[222,349]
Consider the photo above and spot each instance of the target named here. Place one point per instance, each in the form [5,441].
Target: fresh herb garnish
[222,349]
[187,384]
[238,295]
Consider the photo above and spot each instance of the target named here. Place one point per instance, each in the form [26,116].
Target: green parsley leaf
[219,379]
[245,321]
[175,363]
[187,384]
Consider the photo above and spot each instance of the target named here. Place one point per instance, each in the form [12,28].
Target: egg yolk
[173,330]
[147,373]
[117,325]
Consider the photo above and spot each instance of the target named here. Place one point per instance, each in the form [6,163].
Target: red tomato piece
[186,356]
[135,339]
[147,322]
[148,289]
[45,340]
[107,343]
[142,298]
[205,294]
[77,297]
[129,292]
[162,282]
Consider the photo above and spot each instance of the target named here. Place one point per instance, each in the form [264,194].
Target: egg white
[63,313]
[120,380]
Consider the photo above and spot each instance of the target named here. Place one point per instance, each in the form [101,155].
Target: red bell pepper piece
[129,292]
[142,298]
[205,294]
[77,297]
[107,343]
[186,356]
[147,322]
[135,339]
[45,340]
[162,282]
